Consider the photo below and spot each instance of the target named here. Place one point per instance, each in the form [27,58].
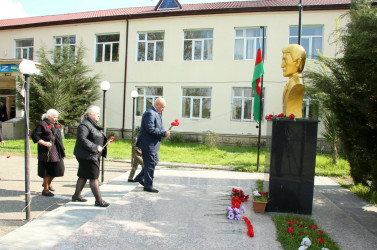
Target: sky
[29,8]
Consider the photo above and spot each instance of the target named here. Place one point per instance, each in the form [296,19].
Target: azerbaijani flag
[257,83]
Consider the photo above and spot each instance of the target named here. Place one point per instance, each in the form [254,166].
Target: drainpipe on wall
[125,81]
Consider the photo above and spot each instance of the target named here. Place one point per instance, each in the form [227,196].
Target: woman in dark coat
[3,112]
[50,150]
[90,140]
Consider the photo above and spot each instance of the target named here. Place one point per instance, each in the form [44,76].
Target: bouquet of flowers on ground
[240,194]
[234,213]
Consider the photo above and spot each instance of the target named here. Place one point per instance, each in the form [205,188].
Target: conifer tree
[349,85]
[65,84]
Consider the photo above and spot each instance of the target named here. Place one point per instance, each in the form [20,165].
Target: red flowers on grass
[314,227]
[321,241]
[290,230]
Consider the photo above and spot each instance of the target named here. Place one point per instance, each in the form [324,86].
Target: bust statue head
[293,60]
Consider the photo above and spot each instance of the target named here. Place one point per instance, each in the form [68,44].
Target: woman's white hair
[50,113]
[92,109]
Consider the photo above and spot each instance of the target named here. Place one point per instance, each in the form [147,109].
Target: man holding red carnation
[149,140]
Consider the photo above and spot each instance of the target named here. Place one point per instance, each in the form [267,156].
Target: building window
[198,45]
[65,42]
[146,98]
[311,39]
[196,103]
[246,42]
[150,46]
[107,48]
[243,104]
[169,4]
[25,49]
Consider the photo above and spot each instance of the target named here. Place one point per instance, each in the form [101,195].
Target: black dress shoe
[130,180]
[141,182]
[101,204]
[47,194]
[152,190]
[78,198]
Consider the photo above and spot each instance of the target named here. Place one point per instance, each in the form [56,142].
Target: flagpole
[261,104]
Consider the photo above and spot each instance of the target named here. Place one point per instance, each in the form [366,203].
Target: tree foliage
[65,84]
[349,90]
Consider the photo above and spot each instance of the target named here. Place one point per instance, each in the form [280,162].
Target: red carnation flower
[321,232]
[291,116]
[175,123]
[314,227]
[58,126]
[321,241]
[291,223]
[290,230]
[49,126]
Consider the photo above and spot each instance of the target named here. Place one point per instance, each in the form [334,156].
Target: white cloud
[11,9]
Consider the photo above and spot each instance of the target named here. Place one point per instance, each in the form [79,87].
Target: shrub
[210,139]
[176,138]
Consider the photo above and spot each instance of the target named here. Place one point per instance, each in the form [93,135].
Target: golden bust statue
[293,63]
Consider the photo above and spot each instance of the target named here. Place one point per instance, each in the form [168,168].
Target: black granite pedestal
[290,164]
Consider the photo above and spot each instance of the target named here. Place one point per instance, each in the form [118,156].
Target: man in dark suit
[149,140]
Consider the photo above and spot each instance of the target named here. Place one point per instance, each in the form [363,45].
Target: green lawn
[243,158]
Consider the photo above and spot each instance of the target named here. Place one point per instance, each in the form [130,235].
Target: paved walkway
[188,213]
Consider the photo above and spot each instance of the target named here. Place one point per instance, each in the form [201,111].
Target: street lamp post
[299,22]
[134,95]
[27,68]
[105,86]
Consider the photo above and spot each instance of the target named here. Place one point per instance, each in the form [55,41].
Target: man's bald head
[160,104]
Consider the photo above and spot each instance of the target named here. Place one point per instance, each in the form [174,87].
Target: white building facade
[199,57]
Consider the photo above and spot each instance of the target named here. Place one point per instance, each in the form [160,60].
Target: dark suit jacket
[89,136]
[151,131]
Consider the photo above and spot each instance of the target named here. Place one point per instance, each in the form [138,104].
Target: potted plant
[259,198]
